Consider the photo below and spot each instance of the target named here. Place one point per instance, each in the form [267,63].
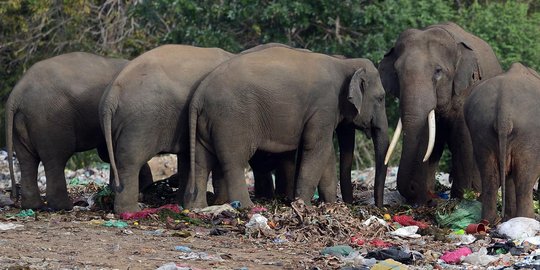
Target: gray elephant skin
[144,112]
[431,70]
[52,113]
[502,115]
[272,100]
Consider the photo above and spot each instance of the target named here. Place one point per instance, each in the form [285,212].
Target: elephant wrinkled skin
[52,113]
[502,115]
[271,101]
[431,71]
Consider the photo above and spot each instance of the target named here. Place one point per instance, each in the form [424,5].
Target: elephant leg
[285,176]
[510,197]
[314,154]
[129,165]
[195,192]
[220,189]
[465,172]
[28,162]
[489,171]
[345,134]
[525,178]
[181,176]
[145,177]
[328,182]
[57,194]
[264,184]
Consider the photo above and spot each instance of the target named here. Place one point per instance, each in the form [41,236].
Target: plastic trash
[475,228]
[503,248]
[409,232]
[394,253]
[379,243]
[462,239]
[480,257]
[465,213]
[258,221]
[372,219]
[342,250]
[236,204]
[456,256]
[115,223]
[182,249]
[215,210]
[535,240]
[26,213]
[174,266]
[200,256]
[9,226]
[405,220]
[157,232]
[148,211]
[519,228]
[389,264]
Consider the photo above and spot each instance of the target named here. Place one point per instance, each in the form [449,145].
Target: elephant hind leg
[197,183]
[526,174]
[28,163]
[57,194]
[489,171]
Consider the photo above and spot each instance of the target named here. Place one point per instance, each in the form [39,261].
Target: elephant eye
[438,73]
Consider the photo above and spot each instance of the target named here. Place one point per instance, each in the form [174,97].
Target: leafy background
[33,30]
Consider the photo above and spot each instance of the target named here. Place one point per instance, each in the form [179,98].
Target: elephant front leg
[328,183]
[465,172]
[314,159]
[285,176]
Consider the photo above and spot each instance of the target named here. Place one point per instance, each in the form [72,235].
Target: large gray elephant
[144,112]
[431,71]
[501,114]
[272,100]
[52,113]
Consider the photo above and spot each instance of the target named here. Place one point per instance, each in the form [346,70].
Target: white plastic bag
[519,228]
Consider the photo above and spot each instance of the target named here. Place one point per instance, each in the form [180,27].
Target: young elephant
[52,113]
[271,101]
[501,114]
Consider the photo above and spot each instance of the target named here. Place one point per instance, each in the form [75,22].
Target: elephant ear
[388,73]
[356,88]
[468,69]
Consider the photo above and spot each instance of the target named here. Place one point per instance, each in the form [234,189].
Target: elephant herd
[276,108]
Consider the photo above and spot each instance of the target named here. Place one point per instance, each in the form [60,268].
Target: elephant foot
[126,208]
[60,204]
[32,204]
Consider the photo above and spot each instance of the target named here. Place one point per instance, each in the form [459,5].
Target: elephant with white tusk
[431,71]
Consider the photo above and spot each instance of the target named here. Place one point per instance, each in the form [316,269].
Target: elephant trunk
[379,135]
[418,118]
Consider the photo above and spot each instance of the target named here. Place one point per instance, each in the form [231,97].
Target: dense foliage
[33,30]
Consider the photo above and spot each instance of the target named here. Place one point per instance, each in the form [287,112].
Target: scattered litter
[465,213]
[182,234]
[9,226]
[148,211]
[215,210]
[480,257]
[200,256]
[174,266]
[504,247]
[405,220]
[26,213]
[462,239]
[389,264]
[157,232]
[530,262]
[372,219]
[456,256]
[519,228]
[475,228]
[115,223]
[342,250]
[395,253]
[409,231]
[258,221]
[236,204]
[182,249]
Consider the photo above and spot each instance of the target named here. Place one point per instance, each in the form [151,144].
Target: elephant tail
[10,114]
[503,129]
[193,118]
[107,108]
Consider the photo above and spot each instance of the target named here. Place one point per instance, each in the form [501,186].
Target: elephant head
[367,95]
[430,70]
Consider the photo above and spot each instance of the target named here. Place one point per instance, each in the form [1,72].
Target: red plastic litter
[148,211]
[405,220]
[379,243]
[356,240]
[454,257]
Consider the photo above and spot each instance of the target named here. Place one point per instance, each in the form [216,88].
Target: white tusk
[394,142]
[431,138]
